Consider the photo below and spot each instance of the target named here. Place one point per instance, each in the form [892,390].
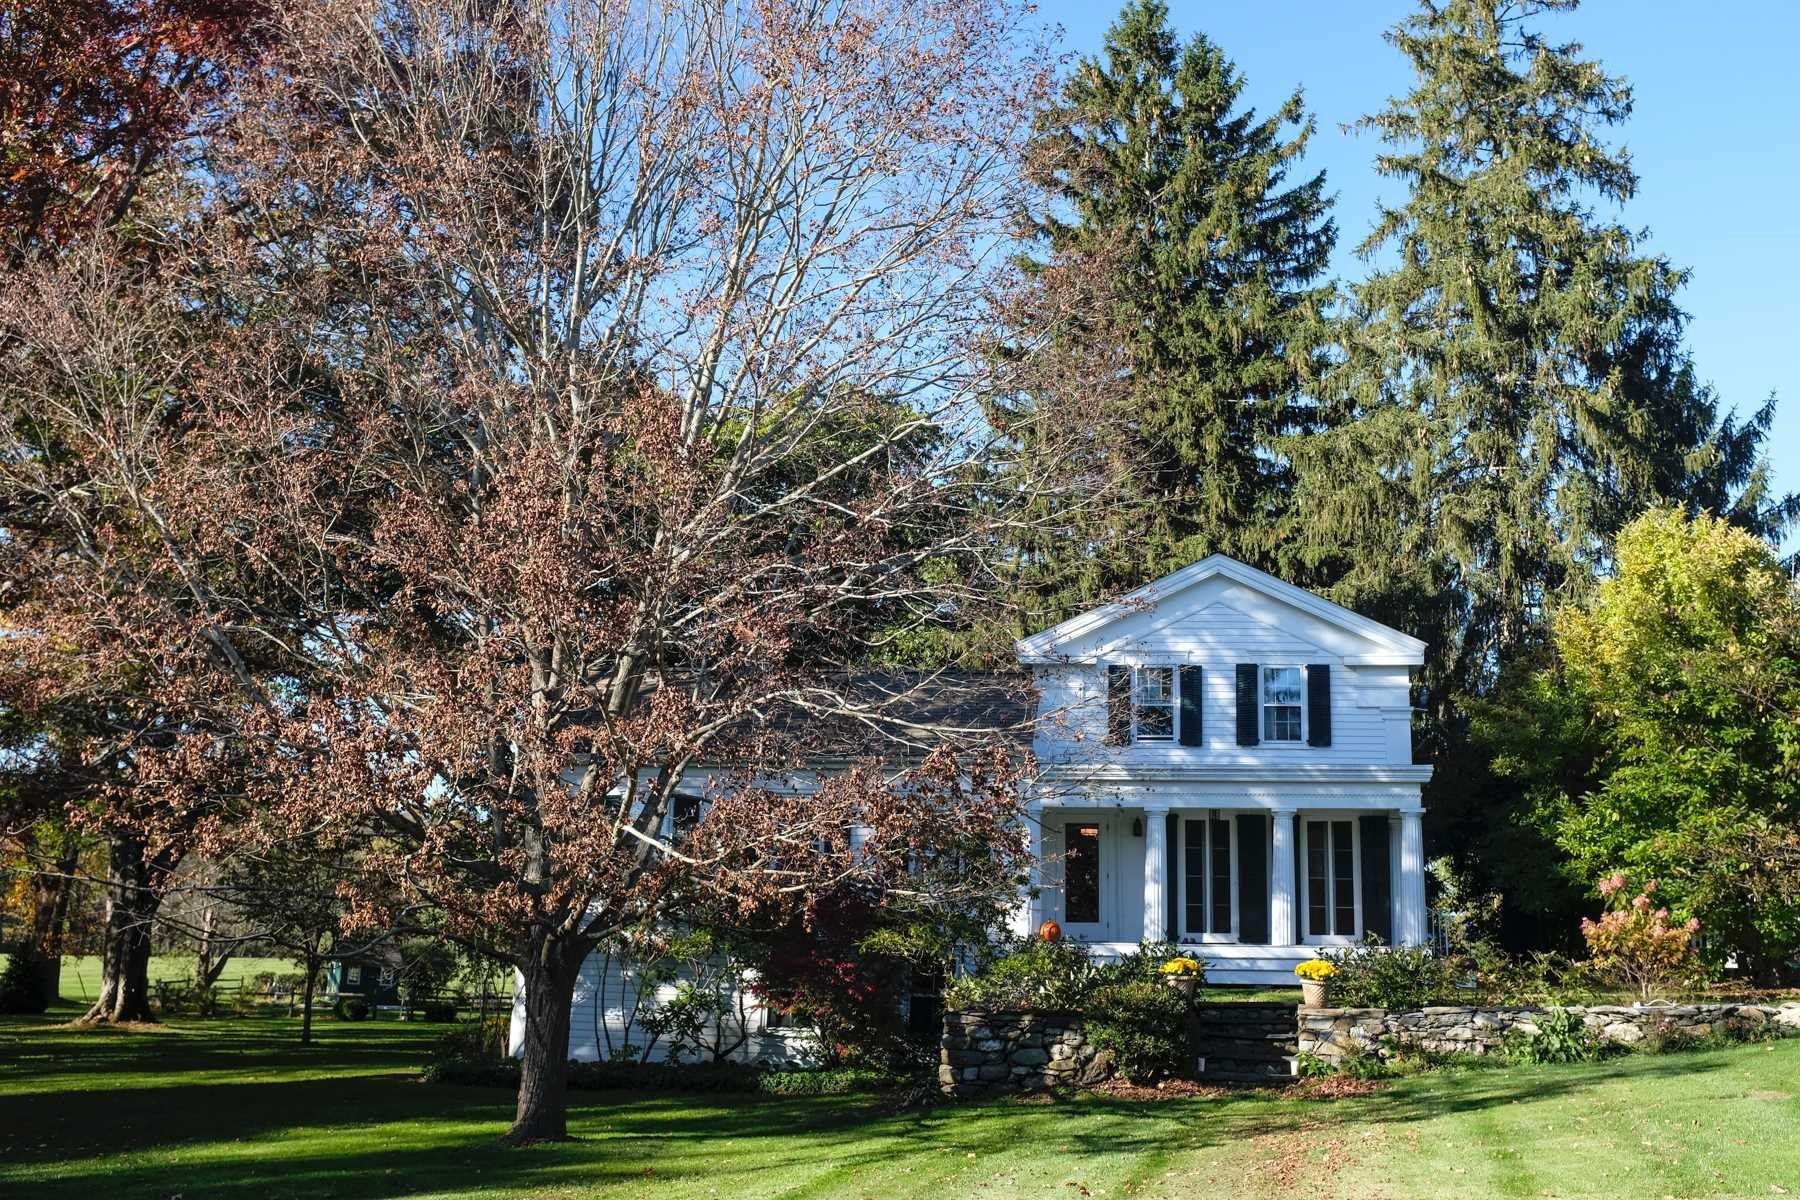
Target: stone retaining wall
[991,1053]
[1328,1033]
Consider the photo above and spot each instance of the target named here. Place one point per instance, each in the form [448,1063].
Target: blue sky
[1715,139]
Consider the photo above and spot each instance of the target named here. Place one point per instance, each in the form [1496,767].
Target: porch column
[1410,931]
[1283,897]
[1156,872]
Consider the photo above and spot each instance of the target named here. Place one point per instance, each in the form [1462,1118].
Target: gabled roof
[1054,644]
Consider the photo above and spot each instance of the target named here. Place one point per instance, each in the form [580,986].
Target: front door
[1088,868]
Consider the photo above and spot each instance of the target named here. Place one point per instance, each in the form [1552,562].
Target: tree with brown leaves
[593,394]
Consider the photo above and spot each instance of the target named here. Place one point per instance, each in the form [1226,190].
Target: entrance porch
[1254,888]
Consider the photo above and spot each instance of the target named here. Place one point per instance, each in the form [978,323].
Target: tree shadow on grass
[255,1130]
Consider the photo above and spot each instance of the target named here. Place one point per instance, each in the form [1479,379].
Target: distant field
[81,975]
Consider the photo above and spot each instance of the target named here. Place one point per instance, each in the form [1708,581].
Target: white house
[1226,760]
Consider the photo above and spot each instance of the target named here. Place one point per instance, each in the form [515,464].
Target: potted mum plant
[1182,973]
[1315,982]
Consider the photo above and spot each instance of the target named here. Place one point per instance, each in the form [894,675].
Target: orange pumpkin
[1050,931]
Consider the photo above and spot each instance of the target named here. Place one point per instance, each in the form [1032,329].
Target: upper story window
[1283,704]
[1153,704]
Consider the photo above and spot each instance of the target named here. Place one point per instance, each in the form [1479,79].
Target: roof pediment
[1087,635]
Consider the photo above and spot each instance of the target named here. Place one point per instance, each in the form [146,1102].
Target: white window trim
[1205,816]
[1263,706]
[1174,738]
[1304,880]
[353,975]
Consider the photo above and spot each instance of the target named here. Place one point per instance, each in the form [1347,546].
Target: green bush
[1363,1062]
[1144,1023]
[1035,975]
[1374,975]
[834,1081]
[1561,1037]
[351,1008]
[20,989]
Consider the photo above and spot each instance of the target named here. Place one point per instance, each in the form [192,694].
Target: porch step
[1256,1050]
[1243,1043]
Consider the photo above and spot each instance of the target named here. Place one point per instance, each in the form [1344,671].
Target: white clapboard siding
[600,1025]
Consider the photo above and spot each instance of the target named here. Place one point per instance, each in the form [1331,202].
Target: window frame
[1204,817]
[1263,705]
[1303,877]
[353,975]
[1173,704]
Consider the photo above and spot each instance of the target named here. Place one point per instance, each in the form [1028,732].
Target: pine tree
[1214,260]
[1515,389]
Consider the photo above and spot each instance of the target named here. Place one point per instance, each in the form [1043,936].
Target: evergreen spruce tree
[1215,260]
[1513,390]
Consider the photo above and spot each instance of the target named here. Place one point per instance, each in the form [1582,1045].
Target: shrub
[1308,1065]
[1036,975]
[1374,975]
[351,1008]
[1561,1037]
[1147,963]
[1635,945]
[1144,1023]
[1363,1062]
[438,1011]
[21,991]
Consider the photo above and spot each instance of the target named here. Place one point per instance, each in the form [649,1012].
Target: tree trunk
[312,969]
[214,954]
[52,890]
[549,974]
[125,951]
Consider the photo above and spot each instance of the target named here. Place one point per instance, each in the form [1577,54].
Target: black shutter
[1377,889]
[1318,705]
[1247,706]
[1191,706]
[1118,705]
[1253,878]
[1172,872]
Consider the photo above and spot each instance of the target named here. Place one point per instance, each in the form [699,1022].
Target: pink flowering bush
[1635,943]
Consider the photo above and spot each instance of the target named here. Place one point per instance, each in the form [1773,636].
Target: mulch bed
[1337,1087]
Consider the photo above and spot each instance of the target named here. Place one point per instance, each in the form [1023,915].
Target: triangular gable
[1080,635]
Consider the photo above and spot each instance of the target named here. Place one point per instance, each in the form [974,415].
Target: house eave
[1408,774]
[1043,648]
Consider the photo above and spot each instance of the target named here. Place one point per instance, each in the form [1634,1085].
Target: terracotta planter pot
[1314,993]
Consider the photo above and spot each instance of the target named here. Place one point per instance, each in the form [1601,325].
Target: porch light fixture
[1137,827]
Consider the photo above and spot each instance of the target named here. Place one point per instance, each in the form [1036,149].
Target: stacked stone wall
[1330,1033]
[996,1053]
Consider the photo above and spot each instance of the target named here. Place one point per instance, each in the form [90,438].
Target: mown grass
[236,1109]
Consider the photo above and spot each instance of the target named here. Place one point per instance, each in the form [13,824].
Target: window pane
[1316,883]
[1343,870]
[1281,724]
[1156,722]
[1156,685]
[1281,685]
[1081,873]
[1221,876]
[1194,872]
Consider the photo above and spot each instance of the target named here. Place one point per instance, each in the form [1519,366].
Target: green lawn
[234,1109]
